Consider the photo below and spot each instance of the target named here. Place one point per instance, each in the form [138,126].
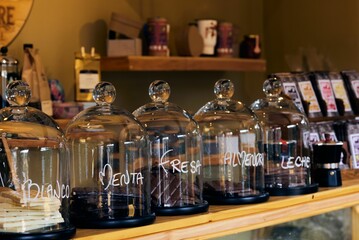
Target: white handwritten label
[292,162]
[2,181]
[108,178]
[180,166]
[47,190]
[243,159]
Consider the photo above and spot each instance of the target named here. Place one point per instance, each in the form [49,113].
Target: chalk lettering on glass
[291,162]
[2,181]
[108,178]
[59,191]
[243,159]
[180,166]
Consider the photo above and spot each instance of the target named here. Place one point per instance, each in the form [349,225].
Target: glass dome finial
[159,91]
[18,93]
[104,93]
[272,87]
[224,88]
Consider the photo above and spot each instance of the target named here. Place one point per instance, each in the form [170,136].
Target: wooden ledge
[149,63]
[221,220]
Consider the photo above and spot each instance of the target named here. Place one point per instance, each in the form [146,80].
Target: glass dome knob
[159,91]
[272,87]
[104,93]
[224,88]
[18,93]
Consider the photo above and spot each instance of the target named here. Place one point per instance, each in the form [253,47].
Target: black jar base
[291,191]
[183,210]
[217,199]
[65,233]
[125,222]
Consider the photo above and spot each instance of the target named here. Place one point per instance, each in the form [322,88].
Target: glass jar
[176,174]
[110,165]
[286,142]
[233,171]
[34,171]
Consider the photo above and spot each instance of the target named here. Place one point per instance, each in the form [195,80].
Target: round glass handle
[224,88]
[159,91]
[272,87]
[18,93]
[104,93]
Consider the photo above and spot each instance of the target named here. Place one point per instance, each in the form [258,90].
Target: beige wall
[329,27]
[60,27]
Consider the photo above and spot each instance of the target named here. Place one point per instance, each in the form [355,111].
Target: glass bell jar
[286,142]
[233,161]
[176,174]
[110,165]
[34,171]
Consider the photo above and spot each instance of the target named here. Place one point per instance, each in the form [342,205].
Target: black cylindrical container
[326,159]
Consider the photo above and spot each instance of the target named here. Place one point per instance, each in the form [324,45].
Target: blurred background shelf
[150,63]
[336,118]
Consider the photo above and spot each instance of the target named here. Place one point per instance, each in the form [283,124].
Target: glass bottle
[233,161]
[176,174]
[286,142]
[110,165]
[34,172]
[9,73]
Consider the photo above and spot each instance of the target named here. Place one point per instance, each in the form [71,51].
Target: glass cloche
[176,174]
[286,142]
[110,165]
[34,171]
[233,171]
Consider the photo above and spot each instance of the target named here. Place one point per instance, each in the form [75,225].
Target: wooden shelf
[149,63]
[336,118]
[224,220]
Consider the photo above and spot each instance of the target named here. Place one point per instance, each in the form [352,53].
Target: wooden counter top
[223,220]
